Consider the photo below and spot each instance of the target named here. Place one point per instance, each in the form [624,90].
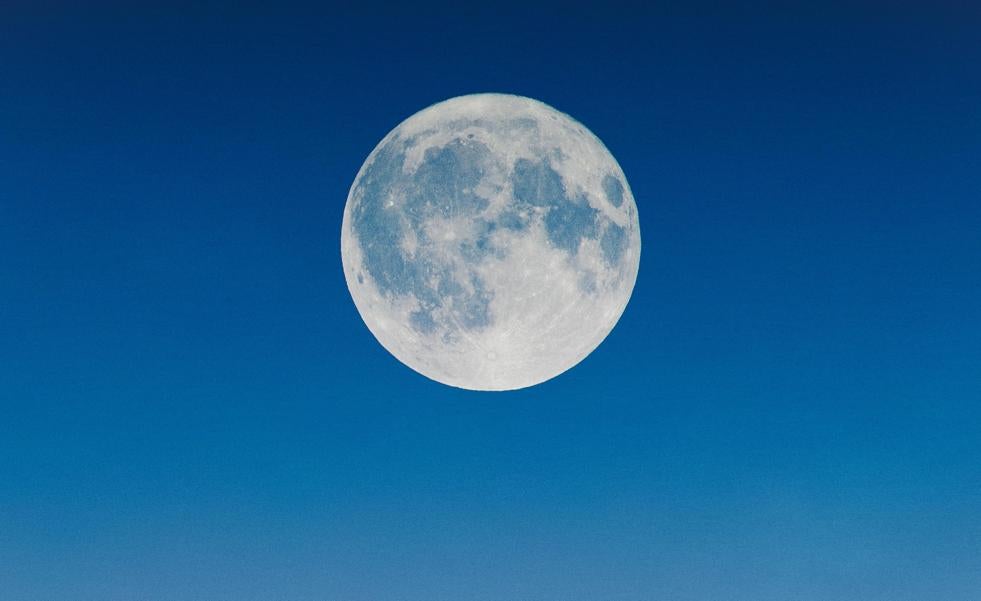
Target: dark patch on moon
[613,243]
[567,220]
[389,202]
[613,189]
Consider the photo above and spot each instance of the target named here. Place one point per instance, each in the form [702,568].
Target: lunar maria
[490,242]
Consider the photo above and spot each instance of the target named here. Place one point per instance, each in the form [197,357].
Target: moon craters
[499,234]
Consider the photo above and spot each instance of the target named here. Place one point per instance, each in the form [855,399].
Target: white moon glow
[490,242]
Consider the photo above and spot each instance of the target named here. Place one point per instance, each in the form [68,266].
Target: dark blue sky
[192,409]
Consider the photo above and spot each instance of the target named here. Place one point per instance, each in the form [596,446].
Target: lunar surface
[490,242]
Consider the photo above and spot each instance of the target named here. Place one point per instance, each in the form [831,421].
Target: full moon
[490,242]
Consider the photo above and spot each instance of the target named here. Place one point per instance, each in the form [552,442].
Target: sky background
[192,409]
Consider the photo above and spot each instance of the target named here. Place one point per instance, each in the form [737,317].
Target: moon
[490,242]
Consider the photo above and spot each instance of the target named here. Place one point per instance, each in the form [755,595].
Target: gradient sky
[192,409]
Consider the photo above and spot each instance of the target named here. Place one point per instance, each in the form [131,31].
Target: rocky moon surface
[490,242]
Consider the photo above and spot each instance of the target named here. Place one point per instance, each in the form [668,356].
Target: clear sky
[192,409]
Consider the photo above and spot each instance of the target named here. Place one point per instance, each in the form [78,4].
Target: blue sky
[192,409]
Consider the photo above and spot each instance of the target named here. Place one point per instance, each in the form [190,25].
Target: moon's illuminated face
[490,242]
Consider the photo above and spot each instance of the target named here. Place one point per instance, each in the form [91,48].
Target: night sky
[192,409]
